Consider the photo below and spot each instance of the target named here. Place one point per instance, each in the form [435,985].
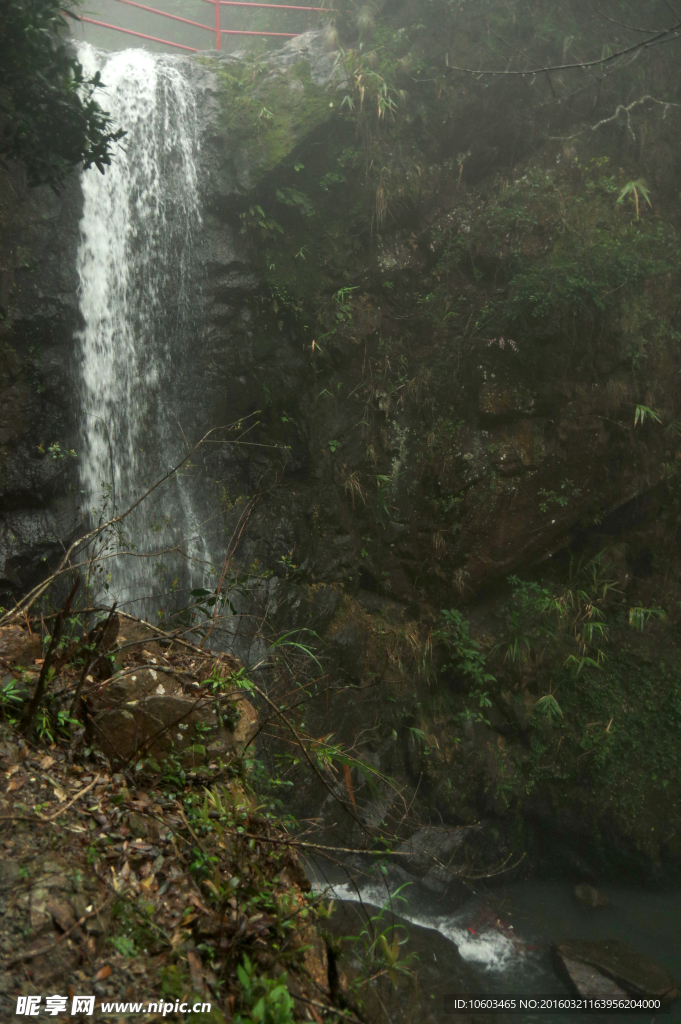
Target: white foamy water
[137,265]
[487,948]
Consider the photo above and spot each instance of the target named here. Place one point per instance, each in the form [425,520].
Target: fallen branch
[79,794]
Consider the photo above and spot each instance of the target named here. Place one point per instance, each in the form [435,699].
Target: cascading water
[139,290]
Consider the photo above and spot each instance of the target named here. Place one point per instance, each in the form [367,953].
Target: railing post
[217,25]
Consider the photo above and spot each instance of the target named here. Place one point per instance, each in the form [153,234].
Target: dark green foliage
[49,120]
[468,660]
[563,256]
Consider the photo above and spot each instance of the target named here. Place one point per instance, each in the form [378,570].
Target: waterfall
[139,293]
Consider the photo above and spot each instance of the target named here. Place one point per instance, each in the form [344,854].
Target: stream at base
[504,936]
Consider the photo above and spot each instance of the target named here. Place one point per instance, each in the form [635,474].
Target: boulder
[608,967]
[19,647]
[586,980]
[438,854]
[133,685]
[160,725]
[590,897]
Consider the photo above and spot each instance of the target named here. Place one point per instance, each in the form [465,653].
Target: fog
[127,16]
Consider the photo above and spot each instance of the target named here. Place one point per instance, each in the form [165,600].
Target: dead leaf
[46,762]
[195,971]
[12,770]
[14,785]
[347,779]
[147,882]
[118,884]
[178,937]
[193,898]
[103,972]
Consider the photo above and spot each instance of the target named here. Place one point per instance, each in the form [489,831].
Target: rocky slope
[131,881]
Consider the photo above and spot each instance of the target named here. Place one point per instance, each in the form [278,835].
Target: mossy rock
[266,113]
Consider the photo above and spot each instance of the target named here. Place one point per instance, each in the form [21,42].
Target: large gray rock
[437,854]
[609,967]
[587,981]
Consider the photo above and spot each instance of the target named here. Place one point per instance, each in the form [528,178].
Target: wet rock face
[488,455]
[610,968]
[39,309]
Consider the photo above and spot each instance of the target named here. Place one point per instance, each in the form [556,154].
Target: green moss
[265,115]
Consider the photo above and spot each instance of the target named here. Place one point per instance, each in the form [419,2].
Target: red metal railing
[217,30]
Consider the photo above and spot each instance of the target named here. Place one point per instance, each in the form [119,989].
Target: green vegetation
[468,660]
[49,118]
[266,1000]
[584,699]
[568,262]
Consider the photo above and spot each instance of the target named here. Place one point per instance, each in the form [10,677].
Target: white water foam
[489,949]
[137,265]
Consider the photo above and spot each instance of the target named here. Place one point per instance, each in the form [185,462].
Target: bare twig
[667,35]
[306,754]
[66,807]
[32,710]
[241,525]
[620,109]
[89,663]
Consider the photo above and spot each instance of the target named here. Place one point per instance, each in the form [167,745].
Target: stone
[161,725]
[586,980]
[142,826]
[439,843]
[135,685]
[436,854]
[630,970]
[10,873]
[590,897]
[39,917]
